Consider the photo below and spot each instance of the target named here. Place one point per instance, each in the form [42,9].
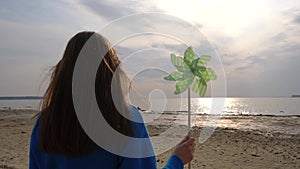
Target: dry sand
[226,148]
[15,137]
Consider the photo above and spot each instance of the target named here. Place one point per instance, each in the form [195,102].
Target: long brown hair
[60,130]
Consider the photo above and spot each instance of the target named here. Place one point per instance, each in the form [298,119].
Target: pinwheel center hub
[192,70]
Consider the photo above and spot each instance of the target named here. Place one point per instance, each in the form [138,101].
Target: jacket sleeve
[174,162]
[140,131]
[33,142]
[32,162]
[138,163]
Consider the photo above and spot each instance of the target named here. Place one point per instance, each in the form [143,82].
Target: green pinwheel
[192,71]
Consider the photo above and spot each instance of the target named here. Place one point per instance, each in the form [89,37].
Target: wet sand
[227,147]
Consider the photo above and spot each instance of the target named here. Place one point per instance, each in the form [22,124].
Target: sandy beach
[227,148]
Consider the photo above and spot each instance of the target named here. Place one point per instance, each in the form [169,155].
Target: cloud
[271,74]
[106,9]
[279,37]
[293,13]
[257,49]
[34,35]
[31,43]
[115,9]
[297,19]
[26,53]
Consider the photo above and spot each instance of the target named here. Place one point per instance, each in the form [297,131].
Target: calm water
[236,113]
[232,106]
[20,104]
[285,112]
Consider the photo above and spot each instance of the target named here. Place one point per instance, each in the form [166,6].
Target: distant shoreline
[20,97]
[206,97]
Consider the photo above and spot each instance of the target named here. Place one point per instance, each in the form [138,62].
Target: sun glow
[231,15]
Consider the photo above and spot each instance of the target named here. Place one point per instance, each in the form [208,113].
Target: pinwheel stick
[189,109]
[189,116]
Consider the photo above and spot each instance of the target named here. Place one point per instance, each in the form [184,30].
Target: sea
[280,106]
[267,116]
[270,115]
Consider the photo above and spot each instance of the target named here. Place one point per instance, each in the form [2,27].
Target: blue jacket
[98,159]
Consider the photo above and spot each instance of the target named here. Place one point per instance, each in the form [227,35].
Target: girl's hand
[185,149]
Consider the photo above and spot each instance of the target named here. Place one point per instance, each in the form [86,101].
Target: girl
[58,141]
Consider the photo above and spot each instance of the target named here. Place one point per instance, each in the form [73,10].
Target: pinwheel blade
[189,56]
[192,71]
[211,73]
[198,70]
[181,86]
[174,76]
[177,76]
[205,76]
[194,63]
[204,59]
[199,86]
[179,63]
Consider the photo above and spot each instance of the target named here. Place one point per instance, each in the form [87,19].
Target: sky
[256,43]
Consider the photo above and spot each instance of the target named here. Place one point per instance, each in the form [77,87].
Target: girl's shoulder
[140,129]
[136,115]
[36,125]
